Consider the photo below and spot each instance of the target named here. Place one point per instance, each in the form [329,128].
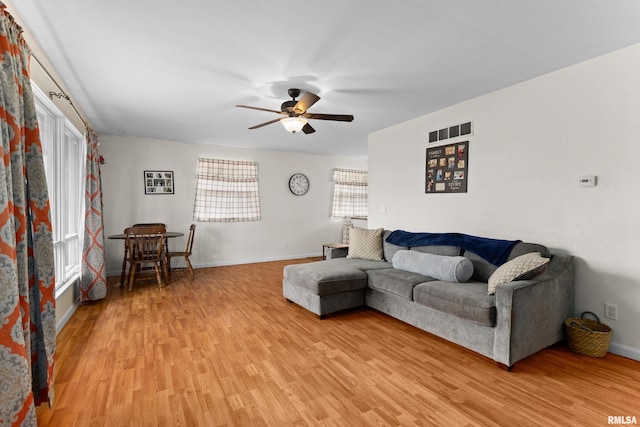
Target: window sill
[61,289]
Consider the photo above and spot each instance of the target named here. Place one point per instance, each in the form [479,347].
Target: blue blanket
[493,250]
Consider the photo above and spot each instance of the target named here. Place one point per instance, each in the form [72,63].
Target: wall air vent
[463,129]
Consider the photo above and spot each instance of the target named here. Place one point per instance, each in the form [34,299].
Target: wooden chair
[125,258]
[187,252]
[145,245]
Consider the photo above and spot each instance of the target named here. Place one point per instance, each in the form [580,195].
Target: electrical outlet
[610,311]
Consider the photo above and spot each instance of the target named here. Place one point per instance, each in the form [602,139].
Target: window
[226,191]
[350,193]
[63,152]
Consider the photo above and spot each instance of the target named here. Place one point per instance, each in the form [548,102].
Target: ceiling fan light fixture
[293,124]
[293,113]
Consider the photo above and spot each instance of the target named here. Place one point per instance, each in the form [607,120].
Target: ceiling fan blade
[265,123]
[308,129]
[335,117]
[260,109]
[307,100]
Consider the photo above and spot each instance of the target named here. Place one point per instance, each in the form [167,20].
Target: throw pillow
[455,269]
[524,267]
[365,244]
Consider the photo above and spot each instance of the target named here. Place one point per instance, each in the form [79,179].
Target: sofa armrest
[531,313]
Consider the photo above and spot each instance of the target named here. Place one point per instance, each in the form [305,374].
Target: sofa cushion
[320,280]
[365,244]
[394,281]
[524,267]
[448,268]
[359,264]
[467,300]
[482,269]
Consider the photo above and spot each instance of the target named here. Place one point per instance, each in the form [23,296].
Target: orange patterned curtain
[94,278]
[27,273]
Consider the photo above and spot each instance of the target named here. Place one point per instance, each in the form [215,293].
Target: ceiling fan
[295,113]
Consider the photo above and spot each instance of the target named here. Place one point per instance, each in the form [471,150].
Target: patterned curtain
[226,191]
[350,199]
[27,273]
[93,285]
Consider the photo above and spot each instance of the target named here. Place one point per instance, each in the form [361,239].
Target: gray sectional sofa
[522,317]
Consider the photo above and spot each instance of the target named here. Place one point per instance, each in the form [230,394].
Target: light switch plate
[588,181]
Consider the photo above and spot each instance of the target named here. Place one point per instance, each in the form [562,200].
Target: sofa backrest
[389,249]
[439,250]
[482,268]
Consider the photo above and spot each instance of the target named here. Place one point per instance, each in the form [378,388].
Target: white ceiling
[175,70]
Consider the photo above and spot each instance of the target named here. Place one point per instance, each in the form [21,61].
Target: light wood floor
[227,349]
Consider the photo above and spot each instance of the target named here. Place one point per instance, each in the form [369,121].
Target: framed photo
[446,168]
[158,182]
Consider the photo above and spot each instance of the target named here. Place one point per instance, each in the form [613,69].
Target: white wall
[531,143]
[291,226]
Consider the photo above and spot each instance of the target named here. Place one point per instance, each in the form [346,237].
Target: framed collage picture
[446,168]
[158,182]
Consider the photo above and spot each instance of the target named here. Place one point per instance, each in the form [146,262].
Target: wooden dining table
[123,236]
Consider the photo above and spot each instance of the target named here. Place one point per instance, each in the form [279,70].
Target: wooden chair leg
[189,266]
[124,264]
[166,270]
[132,274]
[157,267]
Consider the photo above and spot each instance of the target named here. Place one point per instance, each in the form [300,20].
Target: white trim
[67,316]
[66,285]
[239,262]
[64,153]
[253,261]
[69,286]
[625,351]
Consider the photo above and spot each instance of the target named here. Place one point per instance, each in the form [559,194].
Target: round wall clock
[299,184]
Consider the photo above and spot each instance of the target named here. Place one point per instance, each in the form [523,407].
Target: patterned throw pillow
[525,266]
[365,244]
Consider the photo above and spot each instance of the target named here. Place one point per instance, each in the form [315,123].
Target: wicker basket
[586,336]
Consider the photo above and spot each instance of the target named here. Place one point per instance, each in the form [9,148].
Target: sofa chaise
[505,302]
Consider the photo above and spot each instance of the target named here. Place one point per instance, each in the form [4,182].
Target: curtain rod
[62,94]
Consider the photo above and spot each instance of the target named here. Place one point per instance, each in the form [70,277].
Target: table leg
[167,259]
[124,263]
